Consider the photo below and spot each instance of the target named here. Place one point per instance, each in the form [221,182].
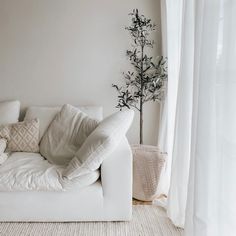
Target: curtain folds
[164,182]
[201,40]
[177,196]
[210,207]
[171,49]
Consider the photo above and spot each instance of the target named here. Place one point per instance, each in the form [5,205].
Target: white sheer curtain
[164,182]
[211,208]
[171,49]
[202,194]
[182,130]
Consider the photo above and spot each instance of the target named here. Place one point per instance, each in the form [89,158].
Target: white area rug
[147,221]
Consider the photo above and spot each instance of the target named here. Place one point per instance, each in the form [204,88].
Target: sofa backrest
[46,115]
[9,112]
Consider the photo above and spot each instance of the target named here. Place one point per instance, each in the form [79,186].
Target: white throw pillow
[9,112]
[101,142]
[66,134]
[47,114]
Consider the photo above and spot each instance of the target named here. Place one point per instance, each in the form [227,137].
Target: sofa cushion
[47,114]
[66,134]
[21,136]
[10,111]
[3,158]
[31,172]
[102,142]
[3,145]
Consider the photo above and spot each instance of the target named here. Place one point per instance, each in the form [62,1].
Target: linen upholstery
[3,158]
[21,136]
[102,142]
[66,134]
[3,145]
[108,200]
[9,112]
[47,114]
[31,172]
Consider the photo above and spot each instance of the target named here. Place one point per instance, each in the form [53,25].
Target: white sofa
[108,199]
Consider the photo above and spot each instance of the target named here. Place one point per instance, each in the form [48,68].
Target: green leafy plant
[146,82]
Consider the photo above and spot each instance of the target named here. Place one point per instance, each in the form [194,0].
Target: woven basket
[148,163]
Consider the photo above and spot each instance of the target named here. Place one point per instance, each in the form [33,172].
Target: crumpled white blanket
[29,171]
[23,171]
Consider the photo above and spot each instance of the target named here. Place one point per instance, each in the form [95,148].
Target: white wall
[69,51]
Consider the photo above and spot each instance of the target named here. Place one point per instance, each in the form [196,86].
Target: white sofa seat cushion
[65,135]
[31,172]
[99,144]
[9,112]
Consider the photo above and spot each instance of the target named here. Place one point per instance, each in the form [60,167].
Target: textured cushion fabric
[5,131]
[103,141]
[9,112]
[3,158]
[47,114]
[3,145]
[22,136]
[66,134]
[107,200]
[31,172]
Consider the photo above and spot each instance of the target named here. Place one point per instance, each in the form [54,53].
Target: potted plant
[144,83]
[147,80]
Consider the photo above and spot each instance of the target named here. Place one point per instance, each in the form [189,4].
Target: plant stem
[141,122]
[141,101]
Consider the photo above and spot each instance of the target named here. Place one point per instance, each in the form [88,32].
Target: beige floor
[147,221]
[149,203]
[138,202]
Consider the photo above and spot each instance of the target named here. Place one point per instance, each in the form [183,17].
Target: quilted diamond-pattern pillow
[22,136]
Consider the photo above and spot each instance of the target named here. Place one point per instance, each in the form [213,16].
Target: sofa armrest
[116,178]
